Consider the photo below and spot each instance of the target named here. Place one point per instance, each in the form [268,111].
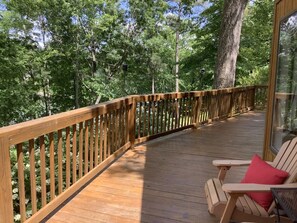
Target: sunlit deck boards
[163,180]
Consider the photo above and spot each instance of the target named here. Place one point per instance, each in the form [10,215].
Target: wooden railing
[45,161]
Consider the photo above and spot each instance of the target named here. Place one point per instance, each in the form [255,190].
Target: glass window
[285,99]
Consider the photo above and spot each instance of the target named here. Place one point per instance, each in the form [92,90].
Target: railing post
[196,110]
[253,96]
[131,122]
[212,106]
[6,207]
[232,104]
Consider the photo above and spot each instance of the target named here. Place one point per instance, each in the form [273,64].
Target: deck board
[163,180]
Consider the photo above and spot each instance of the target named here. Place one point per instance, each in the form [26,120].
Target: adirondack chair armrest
[225,165]
[230,163]
[239,188]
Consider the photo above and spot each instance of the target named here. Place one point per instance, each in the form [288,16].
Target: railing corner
[6,206]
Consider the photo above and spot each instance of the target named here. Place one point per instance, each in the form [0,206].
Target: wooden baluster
[52,166]
[195,112]
[67,157]
[86,148]
[21,181]
[176,113]
[126,115]
[144,119]
[162,115]
[158,116]
[105,137]
[74,153]
[186,110]
[190,112]
[122,134]
[91,144]
[122,122]
[32,176]
[231,105]
[101,139]
[172,114]
[149,119]
[210,116]
[139,120]
[113,129]
[117,130]
[165,115]
[217,100]
[131,123]
[42,171]
[169,114]
[184,114]
[184,107]
[60,167]
[81,140]
[154,115]
[108,124]
[96,140]
[252,101]
[202,110]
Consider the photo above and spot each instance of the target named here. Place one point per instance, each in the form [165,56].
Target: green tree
[254,53]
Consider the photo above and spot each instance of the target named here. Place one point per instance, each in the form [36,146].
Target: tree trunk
[229,43]
[153,83]
[177,33]
[77,76]
[176,61]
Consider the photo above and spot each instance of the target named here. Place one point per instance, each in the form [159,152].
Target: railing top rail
[173,95]
[34,128]
[19,132]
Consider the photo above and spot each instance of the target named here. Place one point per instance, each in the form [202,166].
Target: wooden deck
[163,180]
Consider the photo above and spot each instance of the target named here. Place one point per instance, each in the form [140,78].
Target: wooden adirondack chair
[229,201]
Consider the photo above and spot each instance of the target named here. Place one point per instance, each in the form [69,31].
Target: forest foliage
[59,55]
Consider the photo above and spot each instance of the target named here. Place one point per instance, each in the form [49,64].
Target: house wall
[282,9]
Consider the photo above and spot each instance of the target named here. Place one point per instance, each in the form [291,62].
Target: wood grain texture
[21,181]
[32,176]
[163,180]
[6,208]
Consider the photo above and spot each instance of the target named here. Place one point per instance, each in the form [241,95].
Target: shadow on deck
[163,180]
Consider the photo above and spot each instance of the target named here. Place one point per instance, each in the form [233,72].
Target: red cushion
[261,172]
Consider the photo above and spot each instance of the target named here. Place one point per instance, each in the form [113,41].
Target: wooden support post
[222,172]
[232,105]
[253,97]
[212,109]
[229,208]
[131,123]
[196,111]
[6,208]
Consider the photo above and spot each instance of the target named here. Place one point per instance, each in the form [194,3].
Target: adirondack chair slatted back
[286,160]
